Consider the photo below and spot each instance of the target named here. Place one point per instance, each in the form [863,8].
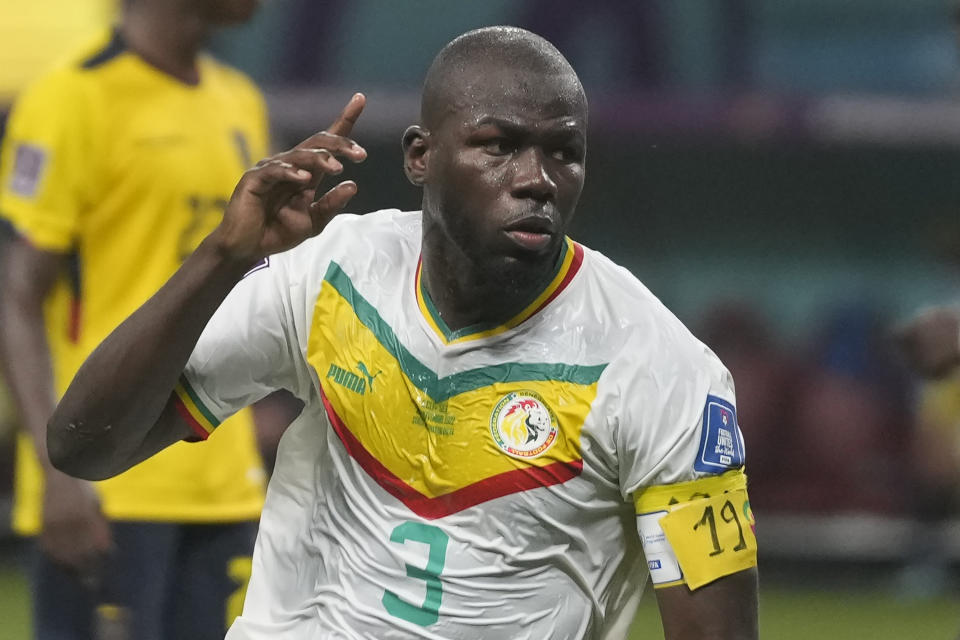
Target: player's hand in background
[275,205]
[74,534]
[931,341]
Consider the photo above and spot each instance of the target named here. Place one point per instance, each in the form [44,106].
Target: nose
[531,177]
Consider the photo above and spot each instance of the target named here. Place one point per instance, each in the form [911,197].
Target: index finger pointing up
[343,125]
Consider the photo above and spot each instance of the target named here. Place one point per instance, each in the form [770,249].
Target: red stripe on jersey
[497,486]
[76,313]
[575,262]
[195,426]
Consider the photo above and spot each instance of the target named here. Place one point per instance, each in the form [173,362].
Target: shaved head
[466,63]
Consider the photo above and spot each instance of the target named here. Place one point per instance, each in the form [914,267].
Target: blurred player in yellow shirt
[114,165]
[930,341]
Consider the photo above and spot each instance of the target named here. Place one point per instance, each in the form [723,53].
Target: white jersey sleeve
[247,350]
[255,343]
[681,457]
[678,420]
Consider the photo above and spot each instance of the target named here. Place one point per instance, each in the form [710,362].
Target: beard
[494,270]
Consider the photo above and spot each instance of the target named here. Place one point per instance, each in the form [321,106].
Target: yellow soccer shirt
[126,169]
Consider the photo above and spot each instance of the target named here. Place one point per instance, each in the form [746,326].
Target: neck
[168,35]
[466,293]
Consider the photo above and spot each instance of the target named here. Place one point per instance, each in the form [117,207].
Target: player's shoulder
[668,389]
[385,227]
[68,78]
[381,239]
[632,316]
[604,272]
[233,80]
[358,243]
[66,96]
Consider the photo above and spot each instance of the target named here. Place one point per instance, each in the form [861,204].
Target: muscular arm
[725,609]
[28,276]
[118,409]
[73,533]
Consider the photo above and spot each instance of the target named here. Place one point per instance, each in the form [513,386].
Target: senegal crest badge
[522,425]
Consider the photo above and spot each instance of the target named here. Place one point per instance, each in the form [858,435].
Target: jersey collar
[568,266]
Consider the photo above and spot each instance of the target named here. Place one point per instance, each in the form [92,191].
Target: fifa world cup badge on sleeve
[28,164]
[721,443]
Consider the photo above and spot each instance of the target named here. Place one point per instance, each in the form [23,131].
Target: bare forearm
[723,610]
[26,363]
[28,275]
[121,390]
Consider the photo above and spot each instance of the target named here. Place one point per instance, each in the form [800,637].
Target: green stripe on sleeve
[204,411]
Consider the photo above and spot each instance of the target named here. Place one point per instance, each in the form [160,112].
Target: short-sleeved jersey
[125,169]
[453,484]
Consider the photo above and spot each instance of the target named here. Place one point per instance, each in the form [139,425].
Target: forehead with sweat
[499,65]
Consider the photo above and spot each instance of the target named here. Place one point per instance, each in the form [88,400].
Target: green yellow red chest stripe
[442,444]
[571,258]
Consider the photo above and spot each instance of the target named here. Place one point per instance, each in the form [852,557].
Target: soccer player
[504,432]
[115,165]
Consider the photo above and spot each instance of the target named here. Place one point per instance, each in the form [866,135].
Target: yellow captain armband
[695,532]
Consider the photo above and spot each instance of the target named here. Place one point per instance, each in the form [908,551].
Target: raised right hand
[75,534]
[274,206]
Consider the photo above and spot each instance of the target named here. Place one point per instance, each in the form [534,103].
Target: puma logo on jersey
[366,374]
[349,380]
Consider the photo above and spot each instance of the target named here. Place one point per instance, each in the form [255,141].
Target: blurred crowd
[832,424]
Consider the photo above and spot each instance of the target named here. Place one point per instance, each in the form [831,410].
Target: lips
[532,233]
[532,224]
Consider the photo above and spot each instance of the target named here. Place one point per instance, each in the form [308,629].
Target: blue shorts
[164,582]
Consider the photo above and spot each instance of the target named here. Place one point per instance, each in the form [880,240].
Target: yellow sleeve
[45,160]
[696,532]
[261,145]
[939,402]
[250,102]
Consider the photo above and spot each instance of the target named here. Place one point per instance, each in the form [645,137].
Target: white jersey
[464,484]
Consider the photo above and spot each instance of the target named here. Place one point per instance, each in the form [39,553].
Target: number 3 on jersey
[428,612]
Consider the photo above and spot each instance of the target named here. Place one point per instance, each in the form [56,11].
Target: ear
[416,142]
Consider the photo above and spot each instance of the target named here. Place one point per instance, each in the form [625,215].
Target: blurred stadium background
[781,173]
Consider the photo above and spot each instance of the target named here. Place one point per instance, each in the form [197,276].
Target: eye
[499,146]
[567,154]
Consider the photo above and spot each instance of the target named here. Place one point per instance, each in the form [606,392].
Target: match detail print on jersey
[567,267]
[441,445]
[696,532]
